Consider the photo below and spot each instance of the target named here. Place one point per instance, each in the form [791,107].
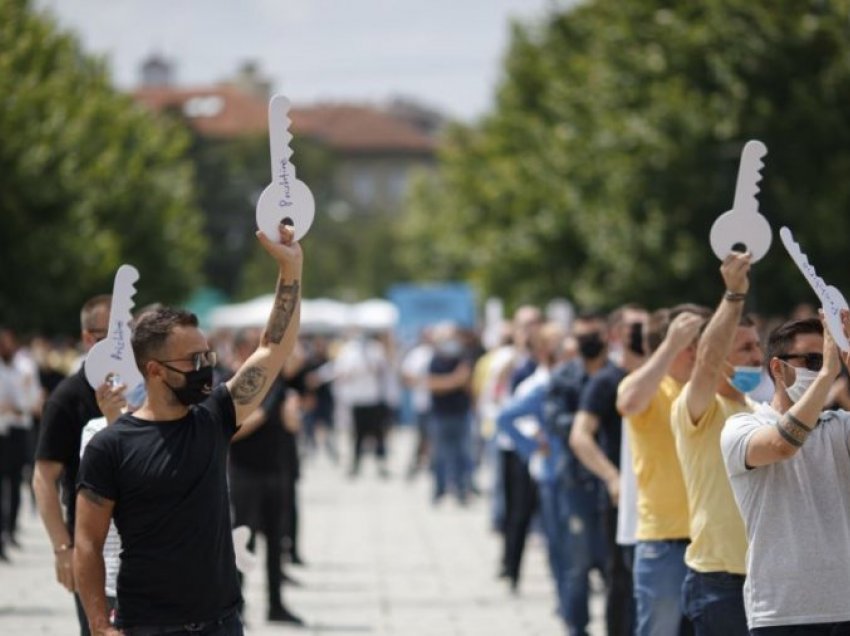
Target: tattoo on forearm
[93,497]
[285,302]
[249,382]
[793,430]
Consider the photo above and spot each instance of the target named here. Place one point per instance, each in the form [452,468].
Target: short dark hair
[659,321]
[782,338]
[152,330]
[90,308]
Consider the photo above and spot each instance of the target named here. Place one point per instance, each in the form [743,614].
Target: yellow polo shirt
[718,539]
[662,502]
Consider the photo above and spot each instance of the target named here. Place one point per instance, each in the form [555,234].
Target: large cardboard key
[285,198]
[112,358]
[743,225]
[832,301]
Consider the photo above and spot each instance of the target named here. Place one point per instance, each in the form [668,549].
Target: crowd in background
[541,410]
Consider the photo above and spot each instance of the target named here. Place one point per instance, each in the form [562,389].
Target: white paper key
[245,559]
[743,225]
[112,358]
[832,301]
[285,197]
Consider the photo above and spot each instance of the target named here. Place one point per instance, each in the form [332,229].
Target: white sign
[832,301]
[286,198]
[743,226]
[112,358]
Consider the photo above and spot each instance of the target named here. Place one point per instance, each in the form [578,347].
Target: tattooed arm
[93,515]
[254,378]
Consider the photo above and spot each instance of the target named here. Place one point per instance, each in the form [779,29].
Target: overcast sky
[445,53]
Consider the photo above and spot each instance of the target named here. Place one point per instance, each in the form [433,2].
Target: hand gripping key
[112,358]
[285,198]
[743,225]
[831,300]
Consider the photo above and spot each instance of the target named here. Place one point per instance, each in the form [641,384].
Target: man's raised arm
[716,343]
[639,387]
[254,378]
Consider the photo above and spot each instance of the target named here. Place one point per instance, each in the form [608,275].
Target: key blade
[831,299]
[749,175]
[114,354]
[279,135]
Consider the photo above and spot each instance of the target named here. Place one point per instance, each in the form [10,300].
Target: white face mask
[804,378]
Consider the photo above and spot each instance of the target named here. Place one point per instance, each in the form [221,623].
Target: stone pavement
[381,561]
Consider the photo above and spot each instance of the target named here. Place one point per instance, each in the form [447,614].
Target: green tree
[614,144]
[88,181]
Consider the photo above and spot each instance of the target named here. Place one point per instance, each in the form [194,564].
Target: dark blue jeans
[449,446]
[587,549]
[714,602]
[659,573]
[554,516]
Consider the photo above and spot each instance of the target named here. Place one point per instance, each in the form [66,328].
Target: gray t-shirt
[797,515]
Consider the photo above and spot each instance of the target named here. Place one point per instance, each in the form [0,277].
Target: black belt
[164,630]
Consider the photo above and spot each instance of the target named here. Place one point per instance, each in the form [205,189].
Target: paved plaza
[381,560]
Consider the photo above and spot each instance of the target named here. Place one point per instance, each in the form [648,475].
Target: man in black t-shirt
[162,473]
[68,409]
[449,374]
[595,439]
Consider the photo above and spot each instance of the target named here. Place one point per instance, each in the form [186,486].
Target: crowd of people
[664,449]
[696,457]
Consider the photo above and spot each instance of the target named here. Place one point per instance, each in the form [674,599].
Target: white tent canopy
[321,315]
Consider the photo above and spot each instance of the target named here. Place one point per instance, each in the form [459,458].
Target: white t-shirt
[359,370]
[112,545]
[627,514]
[415,366]
[797,516]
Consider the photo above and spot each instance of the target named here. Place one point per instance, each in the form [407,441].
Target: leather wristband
[734,297]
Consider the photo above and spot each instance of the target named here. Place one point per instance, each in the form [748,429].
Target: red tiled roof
[241,113]
[232,112]
[359,128]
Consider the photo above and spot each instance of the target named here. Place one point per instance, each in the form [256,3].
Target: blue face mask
[746,379]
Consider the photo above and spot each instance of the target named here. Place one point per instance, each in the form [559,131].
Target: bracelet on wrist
[735,297]
[63,548]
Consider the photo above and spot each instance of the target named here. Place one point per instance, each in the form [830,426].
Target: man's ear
[88,339]
[152,369]
[775,370]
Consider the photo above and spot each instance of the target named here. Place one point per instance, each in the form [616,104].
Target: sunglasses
[812,361]
[198,360]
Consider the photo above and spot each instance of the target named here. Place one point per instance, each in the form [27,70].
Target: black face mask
[590,345]
[197,388]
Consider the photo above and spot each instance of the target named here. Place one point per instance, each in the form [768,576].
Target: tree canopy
[614,144]
[88,181]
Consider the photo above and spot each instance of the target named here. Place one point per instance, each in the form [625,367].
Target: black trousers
[258,502]
[620,601]
[16,449]
[521,501]
[369,422]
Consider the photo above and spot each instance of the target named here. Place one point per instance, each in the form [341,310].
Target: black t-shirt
[271,449]
[599,397]
[68,409]
[169,484]
[455,402]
